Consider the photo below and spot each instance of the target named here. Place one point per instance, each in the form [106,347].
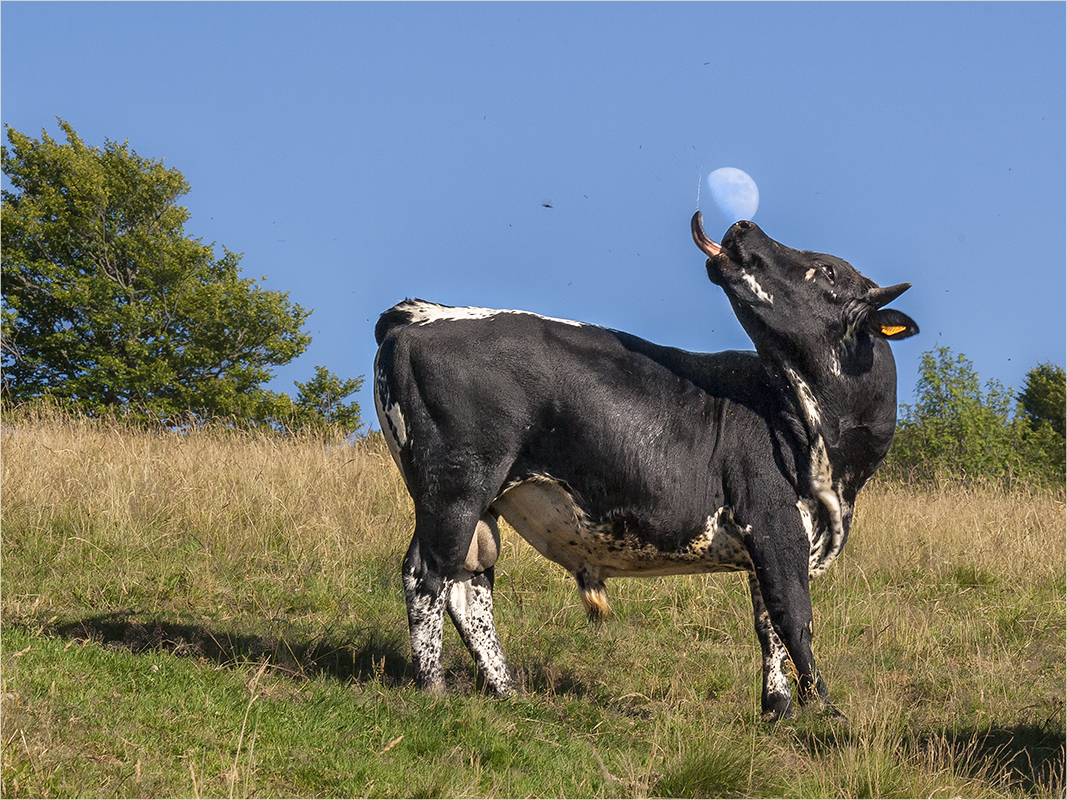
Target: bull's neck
[848,407]
[809,396]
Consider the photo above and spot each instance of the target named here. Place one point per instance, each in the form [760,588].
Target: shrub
[958,429]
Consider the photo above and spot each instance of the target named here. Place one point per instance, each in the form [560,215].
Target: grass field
[220,614]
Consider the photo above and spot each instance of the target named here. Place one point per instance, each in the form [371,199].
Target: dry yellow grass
[199,482]
[328,502]
[1013,535]
[119,494]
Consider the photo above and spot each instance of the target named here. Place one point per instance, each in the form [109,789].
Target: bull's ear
[893,324]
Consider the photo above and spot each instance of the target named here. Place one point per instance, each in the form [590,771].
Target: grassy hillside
[220,614]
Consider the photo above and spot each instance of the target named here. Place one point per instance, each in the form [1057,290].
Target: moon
[734,192]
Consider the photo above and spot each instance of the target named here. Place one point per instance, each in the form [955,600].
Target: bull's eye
[828,270]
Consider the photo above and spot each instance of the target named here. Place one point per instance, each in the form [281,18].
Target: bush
[956,429]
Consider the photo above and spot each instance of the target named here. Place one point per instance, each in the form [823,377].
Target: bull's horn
[703,242]
[883,295]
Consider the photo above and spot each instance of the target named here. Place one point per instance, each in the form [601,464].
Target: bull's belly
[547,516]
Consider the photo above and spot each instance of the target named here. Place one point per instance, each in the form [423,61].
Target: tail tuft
[596,605]
[594,596]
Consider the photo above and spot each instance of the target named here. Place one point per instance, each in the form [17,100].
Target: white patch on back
[423,313]
[756,289]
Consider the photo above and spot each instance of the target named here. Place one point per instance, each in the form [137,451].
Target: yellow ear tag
[892,330]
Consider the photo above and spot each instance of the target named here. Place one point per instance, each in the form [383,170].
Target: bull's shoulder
[736,375]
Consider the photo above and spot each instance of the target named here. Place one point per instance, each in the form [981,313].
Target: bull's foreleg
[785,627]
[781,602]
[777,699]
[470,604]
[424,593]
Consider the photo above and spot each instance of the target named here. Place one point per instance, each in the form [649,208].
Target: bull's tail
[594,595]
[386,398]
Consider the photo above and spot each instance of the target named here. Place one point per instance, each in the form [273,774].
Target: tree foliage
[319,405]
[108,305]
[1044,399]
[958,429]
[1044,407]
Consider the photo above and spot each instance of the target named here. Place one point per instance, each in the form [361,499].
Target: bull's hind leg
[461,581]
[470,605]
[424,593]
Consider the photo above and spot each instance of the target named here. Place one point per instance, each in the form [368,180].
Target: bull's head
[806,307]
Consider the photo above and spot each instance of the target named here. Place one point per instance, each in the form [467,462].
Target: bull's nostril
[744,224]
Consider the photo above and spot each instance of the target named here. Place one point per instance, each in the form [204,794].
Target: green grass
[220,614]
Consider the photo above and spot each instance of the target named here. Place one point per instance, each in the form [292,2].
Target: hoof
[500,690]
[777,709]
[831,713]
[436,689]
[509,689]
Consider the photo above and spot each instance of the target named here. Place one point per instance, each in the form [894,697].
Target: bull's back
[475,371]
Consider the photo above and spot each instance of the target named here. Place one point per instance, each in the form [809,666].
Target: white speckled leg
[425,597]
[777,700]
[470,604]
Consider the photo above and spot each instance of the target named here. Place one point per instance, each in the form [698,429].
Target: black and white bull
[615,457]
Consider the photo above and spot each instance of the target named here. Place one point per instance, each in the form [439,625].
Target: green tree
[958,429]
[319,405]
[109,305]
[1044,405]
[954,426]
[1044,398]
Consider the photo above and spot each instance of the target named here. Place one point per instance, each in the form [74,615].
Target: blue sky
[360,153]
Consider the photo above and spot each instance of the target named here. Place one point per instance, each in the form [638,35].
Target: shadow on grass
[1027,758]
[543,677]
[360,655]
[356,654]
